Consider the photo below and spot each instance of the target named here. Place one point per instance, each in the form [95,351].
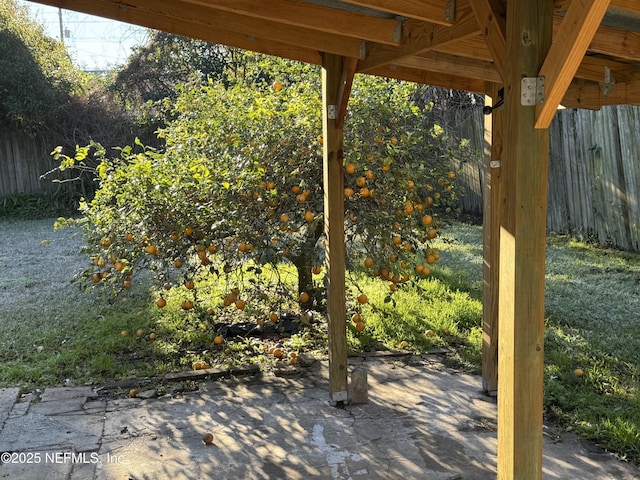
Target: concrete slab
[420,422]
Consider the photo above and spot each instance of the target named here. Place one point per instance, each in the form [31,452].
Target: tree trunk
[304,264]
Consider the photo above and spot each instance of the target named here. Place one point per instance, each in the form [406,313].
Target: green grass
[54,334]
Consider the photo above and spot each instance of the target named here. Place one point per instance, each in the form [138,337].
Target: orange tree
[239,186]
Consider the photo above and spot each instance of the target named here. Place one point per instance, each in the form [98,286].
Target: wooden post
[332,81]
[522,248]
[491,243]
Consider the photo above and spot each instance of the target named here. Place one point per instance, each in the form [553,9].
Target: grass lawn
[53,333]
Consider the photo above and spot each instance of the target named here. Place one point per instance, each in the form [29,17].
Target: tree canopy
[37,76]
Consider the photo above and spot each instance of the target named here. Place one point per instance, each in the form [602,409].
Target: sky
[94,43]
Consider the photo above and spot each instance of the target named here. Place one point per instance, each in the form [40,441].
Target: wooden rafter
[611,41]
[632,6]
[450,64]
[569,46]
[444,80]
[419,37]
[313,17]
[589,95]
[491,18]
[432,11]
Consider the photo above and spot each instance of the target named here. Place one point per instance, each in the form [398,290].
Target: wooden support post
[333,83]
[522,249]
[491,243]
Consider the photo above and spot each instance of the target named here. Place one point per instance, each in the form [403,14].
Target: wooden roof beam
[611,41]
[431,11]
[419,37]
[315,17]
[628,5]
[191,29]
[450,64]
[570,43]
[591,96]
[444,80]
[593,68]
[194,20]
[491,17]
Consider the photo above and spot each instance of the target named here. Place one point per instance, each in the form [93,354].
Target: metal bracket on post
[495,163]
[609,82]
[332,112]
[531,91]
[450,11]
[339,397]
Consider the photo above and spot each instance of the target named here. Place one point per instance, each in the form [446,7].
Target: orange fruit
[295,189]
[189,285]
[139,332]
[128,237]
[365,192]
[361,181]
[175,237]
[241,304]
[451,175]
[578,372]
[218,340]
[273,317]
[186,305]
[394,141]
[124,333]
[304,297]
[368,262]
[178,263]
[152,336]
[284,218]
[95,278]
[397,239]
[410,184]
[277,352]
[316,270]
[188,231]
[277,86]
[431,259]
[356,318]
[151,249]
[350,168]
[308,216]
[431,234]
[133,393]
[119,266]
[229,299]
[370,174]
[362,298]
[360,326]
[348,192]
[161,302]
[427,220]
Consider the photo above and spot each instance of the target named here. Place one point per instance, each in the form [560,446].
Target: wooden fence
[594,174]
[24,158]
